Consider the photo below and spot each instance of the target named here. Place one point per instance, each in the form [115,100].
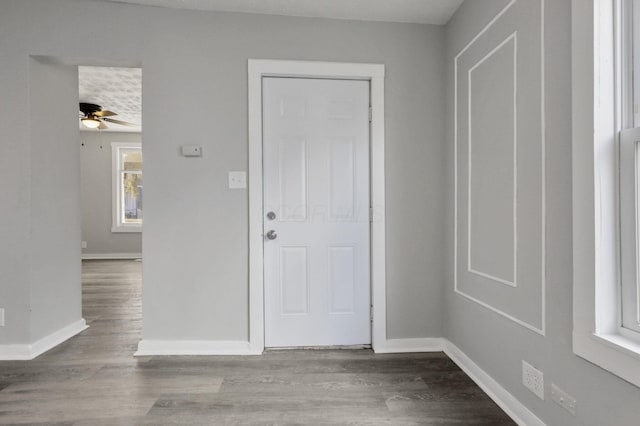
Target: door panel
[342,279]
[292,161]
[293,280]
[316,182]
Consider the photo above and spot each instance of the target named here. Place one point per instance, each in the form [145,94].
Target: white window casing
[599,113]
[629,241]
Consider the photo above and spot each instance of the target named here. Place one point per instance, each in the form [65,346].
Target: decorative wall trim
[31,351]
[107,256]
[514,37]
[541,330]
[194,347]
[375,73]
[505,400]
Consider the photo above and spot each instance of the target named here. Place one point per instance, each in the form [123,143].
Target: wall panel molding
[498,305]
[513,282]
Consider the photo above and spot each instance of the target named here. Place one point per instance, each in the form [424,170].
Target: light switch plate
[237,180]
[191,151]
[563,399]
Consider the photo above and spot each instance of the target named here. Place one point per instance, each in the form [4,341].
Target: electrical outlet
[84,244]
[563,399]
[1,317]
[533,379]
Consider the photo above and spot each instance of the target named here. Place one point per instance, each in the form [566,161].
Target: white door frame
[257,69]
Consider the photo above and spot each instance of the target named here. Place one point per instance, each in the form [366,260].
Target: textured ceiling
[416,11]
[115,89]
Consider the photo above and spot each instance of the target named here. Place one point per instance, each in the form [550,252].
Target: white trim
[514,283]
[194,347]
[486,28]
[31,351]
[116,223]
[422,344]
[541,330]
[543,148]
[629,144]
[127,228]
[492,278]
[518,412]
[610,352]
[106,256]
[257,69]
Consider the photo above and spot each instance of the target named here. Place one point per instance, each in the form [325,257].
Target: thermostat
[191,151]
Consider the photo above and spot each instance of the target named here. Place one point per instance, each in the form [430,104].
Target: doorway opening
[112,200]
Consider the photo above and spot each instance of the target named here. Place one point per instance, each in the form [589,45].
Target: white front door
[316,206]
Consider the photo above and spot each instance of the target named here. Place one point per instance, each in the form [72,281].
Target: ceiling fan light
[90,122]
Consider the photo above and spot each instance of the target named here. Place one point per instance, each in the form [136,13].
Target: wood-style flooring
[93,378]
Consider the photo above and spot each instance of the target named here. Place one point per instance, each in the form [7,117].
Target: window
[606,330]
[628,73]
[127,187]
[629,235]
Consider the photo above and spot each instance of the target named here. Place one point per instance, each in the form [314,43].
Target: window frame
[117,224]
[629,235]
[628,144]
[598,116]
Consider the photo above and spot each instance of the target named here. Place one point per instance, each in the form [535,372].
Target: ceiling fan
[93,117]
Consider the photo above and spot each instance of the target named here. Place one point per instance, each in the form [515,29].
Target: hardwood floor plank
[94,380]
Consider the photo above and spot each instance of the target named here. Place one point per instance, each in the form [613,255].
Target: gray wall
[194,65]
[195,238]
[95,184]
[494,342]
[15,187]
[39,215]
[55,296]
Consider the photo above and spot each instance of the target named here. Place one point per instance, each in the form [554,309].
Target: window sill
[620,343]
[613,352]
[126,229]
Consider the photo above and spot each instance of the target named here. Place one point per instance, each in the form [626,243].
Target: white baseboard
[424,344]
[110,256]
[194,347]
[30,351]
[514,408]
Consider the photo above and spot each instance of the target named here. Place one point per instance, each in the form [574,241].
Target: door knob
[271,235]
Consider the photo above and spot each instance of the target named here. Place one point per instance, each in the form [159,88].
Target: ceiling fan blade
[104,113]
[120,122]
[102,126]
